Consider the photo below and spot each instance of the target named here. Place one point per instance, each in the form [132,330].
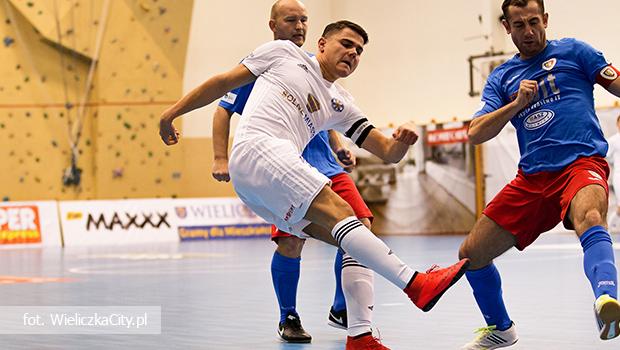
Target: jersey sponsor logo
[337,105]
[549,64]
[538,119]
[229,97]
[303,66]
[289,213]
[293,100]
[609,73]
[313,104]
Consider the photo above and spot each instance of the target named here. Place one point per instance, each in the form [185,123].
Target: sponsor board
[29,223]
[217,218]
[118,222]
[192,233]
[446,136]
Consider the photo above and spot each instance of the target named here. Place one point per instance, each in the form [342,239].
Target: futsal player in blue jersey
[546,92]
[289,22]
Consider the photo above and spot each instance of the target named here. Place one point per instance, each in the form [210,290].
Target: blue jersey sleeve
[591,60]
[235,100]
[492,99]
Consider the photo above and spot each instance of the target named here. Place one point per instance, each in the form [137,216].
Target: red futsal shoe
[426,288]
[365,342]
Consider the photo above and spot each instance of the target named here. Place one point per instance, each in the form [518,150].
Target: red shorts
[535,203]
[345,188]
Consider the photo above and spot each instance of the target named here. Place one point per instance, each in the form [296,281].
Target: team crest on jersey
[313,104]
[303,66]
[538,119]
[549,64]
[337,105]
[609,73]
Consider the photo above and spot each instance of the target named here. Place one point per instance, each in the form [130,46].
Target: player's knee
[593,217]
[366,222]
[464,252]
[476,261]
[290,247]
[341,211]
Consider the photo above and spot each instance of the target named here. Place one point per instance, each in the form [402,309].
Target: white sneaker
[607,313]
[490,338]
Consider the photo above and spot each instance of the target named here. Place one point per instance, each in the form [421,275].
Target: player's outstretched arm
[487,126]
[221,133]
[207,92]
[392,149]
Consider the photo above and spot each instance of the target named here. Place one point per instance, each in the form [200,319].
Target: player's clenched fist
[528,89]
[168,132]
[406,133]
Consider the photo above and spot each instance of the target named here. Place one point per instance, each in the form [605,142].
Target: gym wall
[48,49]
[152,51]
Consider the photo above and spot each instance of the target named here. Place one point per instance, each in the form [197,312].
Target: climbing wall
[141,72]
[53,97]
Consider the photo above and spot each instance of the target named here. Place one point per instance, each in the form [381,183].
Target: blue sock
[339,302]
[285,276]
[598,261]
[487,286]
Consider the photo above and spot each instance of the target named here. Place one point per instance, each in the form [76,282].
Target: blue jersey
[317,153]
[560,124]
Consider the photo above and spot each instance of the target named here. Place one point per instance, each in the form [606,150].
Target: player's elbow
[474,138]
[474,135]
[394,157]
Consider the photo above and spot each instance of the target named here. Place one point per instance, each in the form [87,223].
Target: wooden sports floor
[218,295]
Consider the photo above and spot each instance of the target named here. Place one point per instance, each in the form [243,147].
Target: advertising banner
[217,218]
[118,222]
[29,223]
[446,136]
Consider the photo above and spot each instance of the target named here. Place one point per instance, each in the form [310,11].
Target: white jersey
[613,154]
[292,101]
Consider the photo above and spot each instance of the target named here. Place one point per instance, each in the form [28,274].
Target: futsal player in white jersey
[613,155]
[294,97]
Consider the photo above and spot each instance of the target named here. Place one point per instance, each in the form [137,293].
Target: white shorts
[616,183]
[273,180]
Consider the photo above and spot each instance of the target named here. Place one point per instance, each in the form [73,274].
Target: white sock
[359,293]
[366,248]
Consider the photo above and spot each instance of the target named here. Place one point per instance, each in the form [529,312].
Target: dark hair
[520,3]
[340,25]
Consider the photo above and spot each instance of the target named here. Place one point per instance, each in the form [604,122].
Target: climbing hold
[117,173]
[8,41]
[146,7]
